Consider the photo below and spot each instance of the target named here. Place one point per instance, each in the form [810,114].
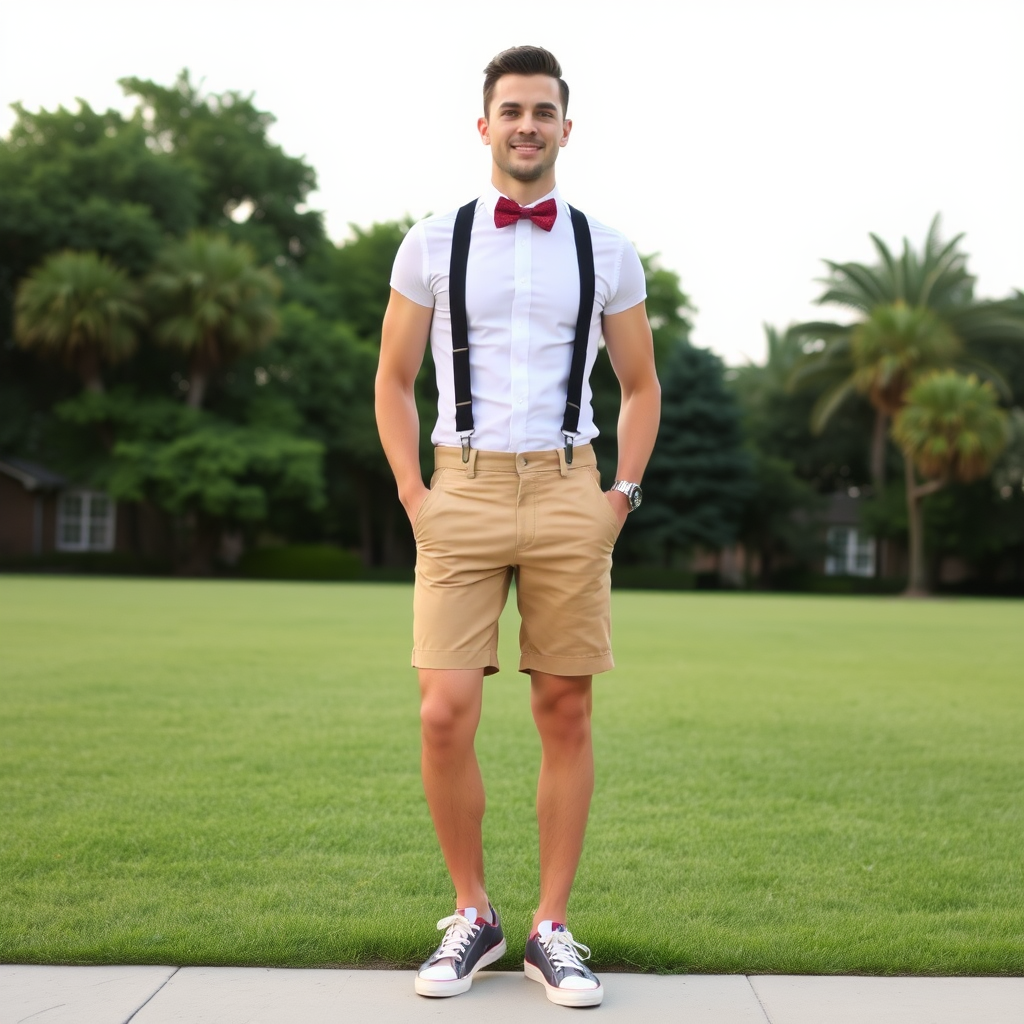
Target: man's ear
[481,127]
[566,128]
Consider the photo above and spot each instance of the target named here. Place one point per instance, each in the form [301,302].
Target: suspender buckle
[465,447]
[568,448]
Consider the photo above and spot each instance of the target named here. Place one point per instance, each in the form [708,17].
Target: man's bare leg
[450,703]
[561,709]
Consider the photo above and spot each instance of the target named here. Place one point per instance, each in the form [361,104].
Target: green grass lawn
[227,773]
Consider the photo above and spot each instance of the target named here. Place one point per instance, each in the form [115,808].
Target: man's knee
[562,708]
[449,708]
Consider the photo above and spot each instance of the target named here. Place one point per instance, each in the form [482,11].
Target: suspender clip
[465,447]
[568,448]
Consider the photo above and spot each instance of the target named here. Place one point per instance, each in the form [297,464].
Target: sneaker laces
[459,932]
[562,949]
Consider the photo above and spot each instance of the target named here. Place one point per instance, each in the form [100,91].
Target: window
[85,522]
[849,552]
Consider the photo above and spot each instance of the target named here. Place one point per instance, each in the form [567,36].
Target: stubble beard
[528,172]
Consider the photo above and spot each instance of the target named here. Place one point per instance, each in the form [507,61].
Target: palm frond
[829,402]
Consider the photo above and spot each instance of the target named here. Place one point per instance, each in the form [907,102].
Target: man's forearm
[399,427]
[639,416]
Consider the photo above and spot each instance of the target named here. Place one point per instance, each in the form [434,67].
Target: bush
[103,563]
[646,577]
[818,583]
[300,562]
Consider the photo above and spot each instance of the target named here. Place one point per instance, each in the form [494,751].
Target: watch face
[635,497]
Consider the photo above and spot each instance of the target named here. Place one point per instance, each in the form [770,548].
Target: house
[42,513]
[851,551]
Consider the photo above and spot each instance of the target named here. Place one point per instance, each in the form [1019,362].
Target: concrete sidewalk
[245,995]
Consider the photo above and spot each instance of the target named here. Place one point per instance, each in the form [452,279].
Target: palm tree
[80,308]
[213,303]
[950,428]
[915,313]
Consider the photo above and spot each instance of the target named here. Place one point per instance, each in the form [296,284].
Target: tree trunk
[196,388]
[917,584]
[89,371]
[202,547]
[879,437]
[917,577]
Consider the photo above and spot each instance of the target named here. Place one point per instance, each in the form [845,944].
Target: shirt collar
[491,196]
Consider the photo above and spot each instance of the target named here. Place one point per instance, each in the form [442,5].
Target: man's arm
[627,336]
[403,341]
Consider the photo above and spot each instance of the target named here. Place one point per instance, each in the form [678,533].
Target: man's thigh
[465,543]
[563,577]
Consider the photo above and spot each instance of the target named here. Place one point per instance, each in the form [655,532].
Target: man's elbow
[389,385]
[645,389]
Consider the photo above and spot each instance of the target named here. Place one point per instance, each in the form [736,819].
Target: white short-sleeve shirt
[522,301]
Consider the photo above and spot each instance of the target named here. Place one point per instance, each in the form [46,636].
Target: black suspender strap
[461,236]
[574,392]
[460,326]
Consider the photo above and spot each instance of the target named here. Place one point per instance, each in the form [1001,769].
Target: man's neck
[522,192]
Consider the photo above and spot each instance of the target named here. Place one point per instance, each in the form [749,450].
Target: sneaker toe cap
[577,982]
[439,972]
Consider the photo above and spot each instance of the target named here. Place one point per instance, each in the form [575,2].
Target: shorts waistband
[515,462]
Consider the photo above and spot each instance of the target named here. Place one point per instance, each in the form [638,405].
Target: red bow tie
[508,212]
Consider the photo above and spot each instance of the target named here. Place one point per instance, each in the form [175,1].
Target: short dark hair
[523,60]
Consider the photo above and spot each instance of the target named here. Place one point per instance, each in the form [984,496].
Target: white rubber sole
[442,989]
[565,996]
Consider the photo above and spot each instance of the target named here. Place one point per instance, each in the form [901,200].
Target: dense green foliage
[698,478]
[916,314]
[230,776]
[168,258]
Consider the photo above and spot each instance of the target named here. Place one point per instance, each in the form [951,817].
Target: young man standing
[513,292]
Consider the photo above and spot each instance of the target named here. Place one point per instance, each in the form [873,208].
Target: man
[514,292]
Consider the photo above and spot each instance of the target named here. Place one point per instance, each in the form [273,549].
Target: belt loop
[471,464]
[563,466]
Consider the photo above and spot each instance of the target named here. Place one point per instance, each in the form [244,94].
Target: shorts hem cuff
[563,666]
[486,660]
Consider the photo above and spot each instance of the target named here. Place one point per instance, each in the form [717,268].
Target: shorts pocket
[606,507]
[430,500]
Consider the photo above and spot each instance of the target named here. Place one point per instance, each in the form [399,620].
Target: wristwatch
[631,491]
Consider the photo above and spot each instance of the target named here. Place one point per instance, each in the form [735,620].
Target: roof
[31,475]
[842,510]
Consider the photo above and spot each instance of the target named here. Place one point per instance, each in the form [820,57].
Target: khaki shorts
[528,515]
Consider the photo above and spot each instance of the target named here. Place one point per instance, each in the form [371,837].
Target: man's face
[524,126]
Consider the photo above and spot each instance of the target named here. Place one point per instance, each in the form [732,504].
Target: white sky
[743,140]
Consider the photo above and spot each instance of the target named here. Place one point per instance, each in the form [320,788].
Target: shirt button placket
[519,350]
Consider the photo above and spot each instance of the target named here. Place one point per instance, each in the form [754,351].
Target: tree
[355,277]
[212,302]
[81,309]
[318,376]
[778,515]
[777,420]
[698,478]
[668,309]
[951,428]
[88,180]
[247,186]
[216,475]
[917,313]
